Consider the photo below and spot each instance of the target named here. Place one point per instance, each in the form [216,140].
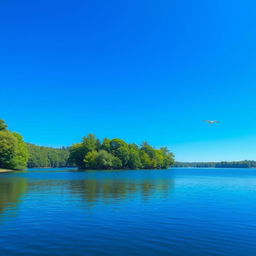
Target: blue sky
[138,70]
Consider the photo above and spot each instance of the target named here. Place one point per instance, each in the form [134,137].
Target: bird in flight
[212,121]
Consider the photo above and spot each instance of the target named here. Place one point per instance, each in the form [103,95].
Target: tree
[168,159]
[148,149]
[104,160]
[8,144]
[78,151]
[123,154]
[20,160]
[116,163]
[145,160]
[3,125]
[77,154]
[134,161]
[90,159]
[106,145]
[90,143]
[13,151]
[115,144]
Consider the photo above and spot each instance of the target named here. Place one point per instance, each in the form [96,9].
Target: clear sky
[139,70]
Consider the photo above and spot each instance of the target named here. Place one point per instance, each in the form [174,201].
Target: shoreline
[6,170]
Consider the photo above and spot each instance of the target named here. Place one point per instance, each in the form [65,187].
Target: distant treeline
[47,157]
[224,164]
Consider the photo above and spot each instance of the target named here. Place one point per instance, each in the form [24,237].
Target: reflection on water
[11,191]
[92,190]
[133,213]
[85,187]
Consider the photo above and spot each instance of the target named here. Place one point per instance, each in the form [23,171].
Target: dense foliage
[224,164]
[16,154]
[91,153]
[47,157]
[13,150]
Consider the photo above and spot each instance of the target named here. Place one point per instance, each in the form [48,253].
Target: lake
[179,212]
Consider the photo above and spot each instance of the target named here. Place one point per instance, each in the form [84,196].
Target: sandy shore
[5,170]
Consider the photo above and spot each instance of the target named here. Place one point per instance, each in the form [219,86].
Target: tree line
[47,157]
[91,153]
[17,155]
[223,164]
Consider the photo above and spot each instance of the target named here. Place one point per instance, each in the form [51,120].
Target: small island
[91,153]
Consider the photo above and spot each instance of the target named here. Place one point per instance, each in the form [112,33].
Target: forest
[47,157]
[91,153]
[17,155]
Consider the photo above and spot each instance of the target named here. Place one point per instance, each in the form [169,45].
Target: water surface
[175,212]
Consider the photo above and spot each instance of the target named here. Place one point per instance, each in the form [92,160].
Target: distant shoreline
[224,164]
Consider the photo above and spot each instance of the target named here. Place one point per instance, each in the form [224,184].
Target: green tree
[134,161]
[119,148]
[106,145]
[104,160]
[90,143]
[151,152]
[145,160]
[115,144]
[123,154]
[116,163]
[8,144]
[90,159]
[77,154]
[79,151]
[13,151]
[168,158]
[20,160]
[3,125]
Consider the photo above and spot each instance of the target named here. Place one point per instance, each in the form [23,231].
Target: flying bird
[212,121]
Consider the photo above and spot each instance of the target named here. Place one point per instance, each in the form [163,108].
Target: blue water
[177,212]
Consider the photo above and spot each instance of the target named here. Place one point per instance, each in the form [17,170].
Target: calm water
[177,212]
